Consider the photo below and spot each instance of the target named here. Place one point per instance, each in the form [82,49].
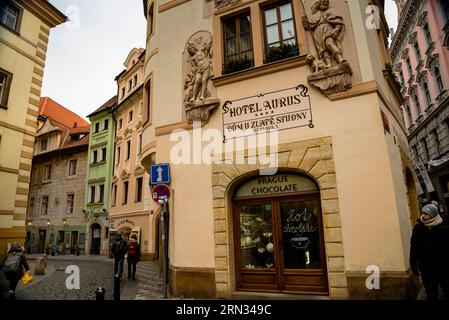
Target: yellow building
[332,205]
[130,205]
[24,35]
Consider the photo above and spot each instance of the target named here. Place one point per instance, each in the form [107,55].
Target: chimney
[75,124]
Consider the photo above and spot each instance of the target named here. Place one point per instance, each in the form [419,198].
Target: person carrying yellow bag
[13,266]
[27,278]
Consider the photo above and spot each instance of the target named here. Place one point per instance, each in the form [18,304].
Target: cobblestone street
[94,272]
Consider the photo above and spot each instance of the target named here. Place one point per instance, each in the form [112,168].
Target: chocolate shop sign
[267,112]
[275,184]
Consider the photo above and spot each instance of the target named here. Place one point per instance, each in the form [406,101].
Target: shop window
[279,29]
[238,47]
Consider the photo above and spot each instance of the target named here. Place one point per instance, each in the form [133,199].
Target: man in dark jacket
[119,249]
[15,252]
[429,252]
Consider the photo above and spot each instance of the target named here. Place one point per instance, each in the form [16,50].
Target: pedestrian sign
[160,173]
[161,193]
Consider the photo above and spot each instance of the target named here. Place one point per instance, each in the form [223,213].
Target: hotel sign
[266,112]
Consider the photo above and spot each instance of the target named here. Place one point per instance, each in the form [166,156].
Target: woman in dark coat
[429,252]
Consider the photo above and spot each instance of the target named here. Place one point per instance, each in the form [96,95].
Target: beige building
[340,200]
[130,206]
[24,34]
[55,215]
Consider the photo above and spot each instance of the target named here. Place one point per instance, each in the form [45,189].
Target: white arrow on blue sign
[160,173]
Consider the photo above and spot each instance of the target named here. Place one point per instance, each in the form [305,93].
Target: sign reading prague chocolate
[266,112]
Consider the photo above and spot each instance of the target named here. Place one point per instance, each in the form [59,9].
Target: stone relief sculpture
[198,71]
[223,3]
[327,32]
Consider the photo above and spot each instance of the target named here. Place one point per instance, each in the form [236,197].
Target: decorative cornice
[432,62]
[124,175]
[409,12]
[413,38]
[45,11]
[422,19]
[139,170]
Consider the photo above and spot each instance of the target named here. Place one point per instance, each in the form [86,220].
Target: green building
[98,179]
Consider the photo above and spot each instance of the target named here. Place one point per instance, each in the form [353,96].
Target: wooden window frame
[236,20]
[67,211]
[6,89]
[277,5]
[16,29]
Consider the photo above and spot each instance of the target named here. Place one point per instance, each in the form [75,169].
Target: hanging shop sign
[266,112]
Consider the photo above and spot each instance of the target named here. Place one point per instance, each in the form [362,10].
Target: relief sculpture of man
[200,55]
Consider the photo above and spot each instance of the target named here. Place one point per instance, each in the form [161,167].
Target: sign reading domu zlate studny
[277,110]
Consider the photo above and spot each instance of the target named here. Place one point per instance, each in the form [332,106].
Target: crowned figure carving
[331,72]
[198,98]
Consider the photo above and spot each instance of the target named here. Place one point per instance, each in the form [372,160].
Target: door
[302,265]
[42,237]
[279,245]
[96,239]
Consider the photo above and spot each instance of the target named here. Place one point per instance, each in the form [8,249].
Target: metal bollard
[99,293]
[116,287]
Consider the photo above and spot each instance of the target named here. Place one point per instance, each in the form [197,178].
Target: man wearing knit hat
[429,251]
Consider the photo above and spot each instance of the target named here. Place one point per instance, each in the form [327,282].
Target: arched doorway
[95,241]
[278,235]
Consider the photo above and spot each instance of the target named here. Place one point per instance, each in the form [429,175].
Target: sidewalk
[69,257]
[49,270]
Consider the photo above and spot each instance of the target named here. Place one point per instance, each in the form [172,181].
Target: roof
[74,130]
[110,104]
[51,109]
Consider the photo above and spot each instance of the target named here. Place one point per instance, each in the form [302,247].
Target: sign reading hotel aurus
[266,112]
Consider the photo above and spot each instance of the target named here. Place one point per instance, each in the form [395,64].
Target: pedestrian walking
[119,248]
[13,266]
[429,251]
[133,256]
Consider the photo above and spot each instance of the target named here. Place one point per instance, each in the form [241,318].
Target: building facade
[302,218]
[130,207]
[24,35]
[99,175]
[56,222]
[420,54]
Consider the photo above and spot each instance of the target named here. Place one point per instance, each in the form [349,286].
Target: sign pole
[164,250]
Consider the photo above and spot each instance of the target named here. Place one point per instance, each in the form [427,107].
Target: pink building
[420,53]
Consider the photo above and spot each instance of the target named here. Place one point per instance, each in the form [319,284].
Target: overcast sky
[85,54]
